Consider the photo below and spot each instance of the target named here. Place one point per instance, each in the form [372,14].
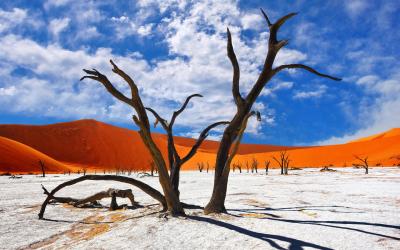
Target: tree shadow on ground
[294,244]
[333,209]
[326,223]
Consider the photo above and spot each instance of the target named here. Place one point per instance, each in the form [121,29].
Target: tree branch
[266,18]
[203,135]
[127,79]
[97,76]
[137,101]
[301,66]
[179,111]
[236,71]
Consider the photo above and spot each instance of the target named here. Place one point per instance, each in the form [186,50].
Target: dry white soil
[305,210]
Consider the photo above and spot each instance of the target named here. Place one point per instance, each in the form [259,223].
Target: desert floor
[306,209]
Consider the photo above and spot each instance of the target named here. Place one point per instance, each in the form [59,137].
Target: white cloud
[58,25]
[355,7]
[10,19]
[56,3]
[253,21]
[382,114]
[145,30]
[318,93]
[269,91]
[10,91]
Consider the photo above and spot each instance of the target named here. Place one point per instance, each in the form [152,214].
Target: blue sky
[174,48]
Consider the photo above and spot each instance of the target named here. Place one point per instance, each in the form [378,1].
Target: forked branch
[179,111]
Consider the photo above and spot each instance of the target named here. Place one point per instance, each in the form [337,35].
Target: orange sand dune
[380,151]
[96,145]
[389,133]
[85,142]
[19,158]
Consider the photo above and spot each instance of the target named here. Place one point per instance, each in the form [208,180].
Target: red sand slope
[102,146]
[85,142]
[19,158]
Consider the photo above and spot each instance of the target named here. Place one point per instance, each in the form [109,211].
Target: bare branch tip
[266,17]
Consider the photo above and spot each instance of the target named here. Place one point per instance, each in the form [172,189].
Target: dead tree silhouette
[245,104]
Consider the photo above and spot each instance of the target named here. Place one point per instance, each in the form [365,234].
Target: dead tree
[84,170]
[237,166]
[245,104]
[200,166]
[267,166]
[283,162]
[152,168]
[254,165]
[247,167]
[42,167]
[364,162]
[208,166]
[169,181]
[141,185]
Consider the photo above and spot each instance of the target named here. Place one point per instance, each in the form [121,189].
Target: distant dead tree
[244,106]
[237,165]
[247,167]
[364,162]
[254,165]
[84,170]
[208,166]
[283,162]
[42,167]
[200,166]
[327,169]
[267,162]
[152,168]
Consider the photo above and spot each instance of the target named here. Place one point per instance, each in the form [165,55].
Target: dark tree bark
[244,106]
[141,185]
[217,202]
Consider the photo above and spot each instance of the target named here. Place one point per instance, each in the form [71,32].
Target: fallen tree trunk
[93,199]
[141,185]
